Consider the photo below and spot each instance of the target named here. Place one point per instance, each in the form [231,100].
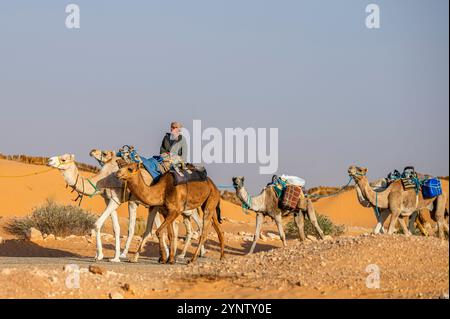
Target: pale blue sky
[338,92]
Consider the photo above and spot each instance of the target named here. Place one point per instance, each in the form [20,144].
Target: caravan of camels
[185,190]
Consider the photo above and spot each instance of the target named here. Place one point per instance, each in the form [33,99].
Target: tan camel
[266,204]
[382,214]
[175,199]
[401,202]
[106,158]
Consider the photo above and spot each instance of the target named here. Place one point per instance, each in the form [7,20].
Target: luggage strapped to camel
[289,189]
[429,186]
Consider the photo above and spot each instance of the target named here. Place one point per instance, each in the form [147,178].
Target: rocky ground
[344,267]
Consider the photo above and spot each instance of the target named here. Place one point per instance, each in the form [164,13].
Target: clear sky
[339,93]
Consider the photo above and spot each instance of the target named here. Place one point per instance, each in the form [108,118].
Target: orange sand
[19,196]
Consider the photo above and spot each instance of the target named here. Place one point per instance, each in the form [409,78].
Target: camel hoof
[123,255]
[191,261]
[133,260]
[98,258]
[115,260]
[162,261]
[171,262]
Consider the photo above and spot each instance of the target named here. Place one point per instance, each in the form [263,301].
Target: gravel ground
[345,267]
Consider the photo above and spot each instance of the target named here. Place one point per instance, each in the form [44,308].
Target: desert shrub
[52,218]
[325,223]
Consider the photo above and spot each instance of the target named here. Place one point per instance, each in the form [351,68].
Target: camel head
[103,157]
[357,172]
[62,162]
[238,182]
[127,171]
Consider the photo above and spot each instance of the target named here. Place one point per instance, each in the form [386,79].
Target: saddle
[191,174]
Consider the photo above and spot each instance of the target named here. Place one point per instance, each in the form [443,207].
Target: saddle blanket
[152,165]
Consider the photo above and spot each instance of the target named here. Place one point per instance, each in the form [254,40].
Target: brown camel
[175,200]
[266,204]
[401,202]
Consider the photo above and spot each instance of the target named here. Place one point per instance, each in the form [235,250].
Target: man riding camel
[174,143]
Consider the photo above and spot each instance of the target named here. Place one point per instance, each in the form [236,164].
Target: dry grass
[52,218]
[325,223]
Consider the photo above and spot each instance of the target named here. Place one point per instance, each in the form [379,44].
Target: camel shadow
[215,246]
[151,249]
[21,248]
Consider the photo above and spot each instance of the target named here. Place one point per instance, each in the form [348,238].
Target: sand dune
[18,196]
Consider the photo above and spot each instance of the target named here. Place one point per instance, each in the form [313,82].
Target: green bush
[325,223]
[56,219]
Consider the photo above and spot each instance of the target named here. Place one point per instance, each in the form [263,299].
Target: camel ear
[72,157]
[243,179]
[365,170]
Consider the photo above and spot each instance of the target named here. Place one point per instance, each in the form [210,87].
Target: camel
[383,213]
[266,204]
[203,195]
[401,202]
[106,184]
[109,158]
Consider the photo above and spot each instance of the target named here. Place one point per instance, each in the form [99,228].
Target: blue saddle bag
[431,188]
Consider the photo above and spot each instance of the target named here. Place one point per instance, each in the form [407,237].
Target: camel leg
[405,229]
[220,235]
[394,217]
[116,229]
[313,219]
[132,207]
[170,218]
[158,224]
[381,219]
[259,221]
[171,230]
[440,216]
[111,206]
[187,243]
[299,219]
[412,222]
[209,207]
[152,211]
[197,221]
[279,223]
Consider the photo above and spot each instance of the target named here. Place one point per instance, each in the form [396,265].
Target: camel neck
[256,203]
[375,198]
[71,175]
[243,195]
[74,179]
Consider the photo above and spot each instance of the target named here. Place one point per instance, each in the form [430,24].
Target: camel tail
[219,213]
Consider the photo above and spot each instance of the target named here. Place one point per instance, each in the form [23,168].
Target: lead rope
[246,205]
